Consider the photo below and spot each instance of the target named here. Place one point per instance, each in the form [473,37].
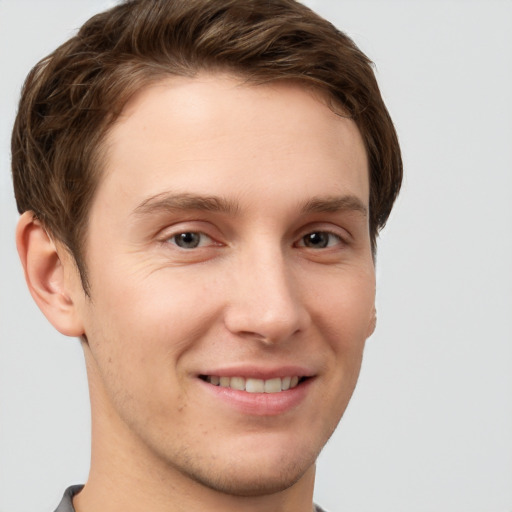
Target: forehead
[215,131]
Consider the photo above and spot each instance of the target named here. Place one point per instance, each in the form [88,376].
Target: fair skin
[228,238]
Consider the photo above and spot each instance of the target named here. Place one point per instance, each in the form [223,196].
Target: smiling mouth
[250,385]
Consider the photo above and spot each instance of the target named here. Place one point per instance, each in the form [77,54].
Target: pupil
[187,240]
[316,240]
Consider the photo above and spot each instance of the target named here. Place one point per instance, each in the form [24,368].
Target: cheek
[146,321]
[135,342]
[345,308]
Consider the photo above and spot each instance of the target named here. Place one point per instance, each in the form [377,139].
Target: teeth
[255,386]
[250,385]
[273,385]
[237,383]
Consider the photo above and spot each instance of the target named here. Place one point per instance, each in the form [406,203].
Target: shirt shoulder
[66,504]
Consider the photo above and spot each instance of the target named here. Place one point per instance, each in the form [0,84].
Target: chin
[251,481]
[247,469]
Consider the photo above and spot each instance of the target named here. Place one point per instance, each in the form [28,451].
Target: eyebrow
[184,201]
[175,202]
[335,204]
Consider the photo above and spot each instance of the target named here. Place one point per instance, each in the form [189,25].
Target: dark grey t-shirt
[66,505]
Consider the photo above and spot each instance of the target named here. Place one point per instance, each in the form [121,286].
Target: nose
[266,302]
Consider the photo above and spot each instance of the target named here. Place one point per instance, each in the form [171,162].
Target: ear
[50,274]
[372,323]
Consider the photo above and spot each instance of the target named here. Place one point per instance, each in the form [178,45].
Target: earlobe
[47,275]
[373,323]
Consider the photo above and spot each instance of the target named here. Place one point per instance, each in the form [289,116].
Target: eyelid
[173,240]
[325,227]
[201,228]
[341,239]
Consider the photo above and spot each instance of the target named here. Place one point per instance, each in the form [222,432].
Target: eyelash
[182,234]
[303,240]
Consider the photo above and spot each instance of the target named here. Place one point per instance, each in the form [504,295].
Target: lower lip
[260,404]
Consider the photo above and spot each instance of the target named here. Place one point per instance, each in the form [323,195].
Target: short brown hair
[72,97]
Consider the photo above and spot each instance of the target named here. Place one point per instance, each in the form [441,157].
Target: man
[201,187]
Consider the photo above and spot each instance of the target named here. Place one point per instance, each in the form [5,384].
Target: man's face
[227,247]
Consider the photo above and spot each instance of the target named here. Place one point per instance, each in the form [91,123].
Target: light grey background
[430,425]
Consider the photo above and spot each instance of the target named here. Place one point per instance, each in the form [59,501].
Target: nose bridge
[265,303]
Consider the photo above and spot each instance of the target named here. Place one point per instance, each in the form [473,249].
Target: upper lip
[259,372]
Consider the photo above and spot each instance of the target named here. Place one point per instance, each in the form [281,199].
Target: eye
[319,240]
[190,240]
